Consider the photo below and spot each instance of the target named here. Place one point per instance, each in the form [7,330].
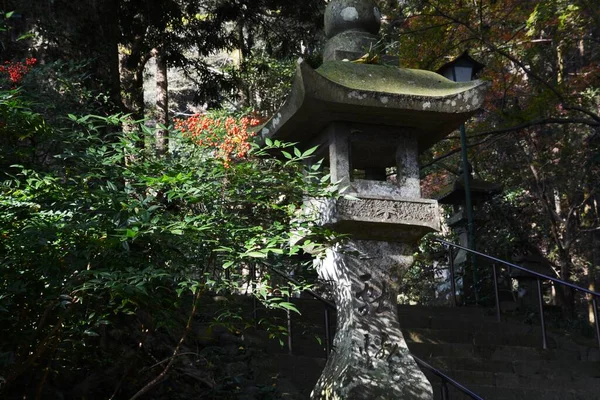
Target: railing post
[498,317]
[541,302]
[452,275]
[444,388]
[289,329]
[327,334]
[595,305]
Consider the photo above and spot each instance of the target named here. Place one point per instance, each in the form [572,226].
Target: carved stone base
[370,359]
[372,218]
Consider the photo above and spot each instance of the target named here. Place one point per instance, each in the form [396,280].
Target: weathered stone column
[370,359]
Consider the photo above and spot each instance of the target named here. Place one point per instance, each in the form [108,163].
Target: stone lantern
[371,121]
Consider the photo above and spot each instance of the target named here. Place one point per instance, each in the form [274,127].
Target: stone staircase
[498,361]
[502,361]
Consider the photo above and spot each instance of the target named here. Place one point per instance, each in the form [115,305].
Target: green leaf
[310,151]
[111,186]
[27,35]
[224,249]
[256,254]
[274,250]
[288,306]
[131,233]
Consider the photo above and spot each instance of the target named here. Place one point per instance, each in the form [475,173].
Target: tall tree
[540,128]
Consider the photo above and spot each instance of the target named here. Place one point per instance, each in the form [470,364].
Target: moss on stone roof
[390,79]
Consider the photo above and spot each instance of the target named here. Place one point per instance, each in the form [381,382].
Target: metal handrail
[557,280]
[328,304]
[539,278]
[445,380]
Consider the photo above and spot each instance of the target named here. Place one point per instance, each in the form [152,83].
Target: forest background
[114,218]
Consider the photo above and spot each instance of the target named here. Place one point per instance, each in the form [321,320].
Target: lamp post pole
[462,69]
[469,207]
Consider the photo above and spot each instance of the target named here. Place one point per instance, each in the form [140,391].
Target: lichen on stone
[391,79]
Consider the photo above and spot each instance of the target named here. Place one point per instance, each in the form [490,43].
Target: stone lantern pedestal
[370,122]
[371,359]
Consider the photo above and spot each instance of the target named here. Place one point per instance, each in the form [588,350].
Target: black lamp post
[463,69]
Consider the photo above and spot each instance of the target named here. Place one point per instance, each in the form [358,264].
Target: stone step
[488,392]
[423,335]
[483,324]
[577,370]
[472,312]
[511,380]
[295,376]
[496,360]
[496,353]
[471,364]
[574,370]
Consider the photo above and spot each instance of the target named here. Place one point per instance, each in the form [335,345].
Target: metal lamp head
[461,69]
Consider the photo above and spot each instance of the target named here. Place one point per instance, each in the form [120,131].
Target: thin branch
[519,63]
[187,353]
[131,364]
[578,206]
[163,374]
[426,28]
[49,339]
[591,230]
[545,121]
[452,152]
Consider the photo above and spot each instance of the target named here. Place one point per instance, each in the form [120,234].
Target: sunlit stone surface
[370,359]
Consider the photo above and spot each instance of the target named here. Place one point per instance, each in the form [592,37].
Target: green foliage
[4,17]
[61,87]
[110,230]
[20,128]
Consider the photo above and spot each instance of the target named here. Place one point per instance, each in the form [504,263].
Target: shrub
[110,230]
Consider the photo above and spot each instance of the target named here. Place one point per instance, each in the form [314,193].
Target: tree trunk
[162,102]
[112,43]
[242,55]
[560,62]
[132,63]
[566,294]
[559,232]
[132,85]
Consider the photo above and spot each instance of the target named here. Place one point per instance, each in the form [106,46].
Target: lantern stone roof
[481,191]
[374,94]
